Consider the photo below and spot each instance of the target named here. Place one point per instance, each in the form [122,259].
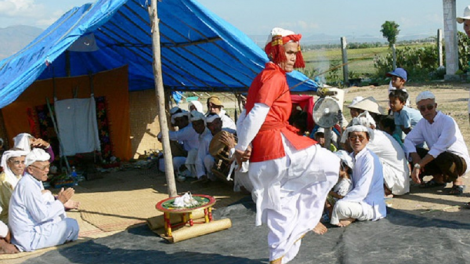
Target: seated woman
[366,200]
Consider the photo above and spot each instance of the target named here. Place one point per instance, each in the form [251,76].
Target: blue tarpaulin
[199,50]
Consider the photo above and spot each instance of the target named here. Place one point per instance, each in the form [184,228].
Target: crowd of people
[296,182]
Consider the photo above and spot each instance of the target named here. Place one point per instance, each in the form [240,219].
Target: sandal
[431,184]
[457,190]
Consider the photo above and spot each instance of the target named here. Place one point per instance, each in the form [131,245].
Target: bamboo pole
[160,94]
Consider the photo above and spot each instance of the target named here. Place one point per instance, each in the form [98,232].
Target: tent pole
[160,93]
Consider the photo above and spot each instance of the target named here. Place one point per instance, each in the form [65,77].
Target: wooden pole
[160,93]
[439,48]
[344,53]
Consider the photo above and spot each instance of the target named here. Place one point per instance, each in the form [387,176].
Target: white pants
[52,234]
[191,162]
[346,209]
[208,165]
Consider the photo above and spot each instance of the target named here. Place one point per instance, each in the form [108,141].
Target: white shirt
[440,136]
[203,150]
[187,135]
[368,184]
[29,211]
[391,153]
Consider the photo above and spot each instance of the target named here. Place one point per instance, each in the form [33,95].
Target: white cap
[211,118]
[37,154]
[196,104]
[425,95]
[195,116]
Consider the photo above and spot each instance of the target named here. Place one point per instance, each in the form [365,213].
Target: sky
[258,17]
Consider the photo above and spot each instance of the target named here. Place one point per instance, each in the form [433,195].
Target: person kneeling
[35,222]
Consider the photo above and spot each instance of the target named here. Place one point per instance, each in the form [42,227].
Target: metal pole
[160,93]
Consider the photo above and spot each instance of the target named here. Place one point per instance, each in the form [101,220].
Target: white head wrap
[364,119]
[198,106]
[425,95]
[345,158]
[174,110]
[36,154]
[9,175]
[278,32]
[211,118]
[357,128]
[180,114]
[22,141]
[195,116]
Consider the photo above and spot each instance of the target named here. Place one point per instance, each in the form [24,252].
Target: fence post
[439,48]
[344,52]
[394,52]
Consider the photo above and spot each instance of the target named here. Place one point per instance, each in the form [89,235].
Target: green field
[361,61]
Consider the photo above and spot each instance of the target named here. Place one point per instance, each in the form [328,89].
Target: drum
[221,153]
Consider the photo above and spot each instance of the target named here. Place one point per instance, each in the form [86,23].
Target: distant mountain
[14,38]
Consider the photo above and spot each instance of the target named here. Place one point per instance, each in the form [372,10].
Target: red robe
[270,88]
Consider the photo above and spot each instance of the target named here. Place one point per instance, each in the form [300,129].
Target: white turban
[425,95]
[211,118]
[179,114]
[345,158]
[196,116]
[9,175]
[278,32]
[175,110]
[198,106]
[36,154]
[356,128]
[22,141]
[364,119]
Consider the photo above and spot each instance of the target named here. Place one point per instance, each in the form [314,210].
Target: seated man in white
[395,165]
[34,221]
[366,200]
[202,164]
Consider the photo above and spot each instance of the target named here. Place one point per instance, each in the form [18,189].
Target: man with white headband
[447,158]
[35,222]
[396,172]
[291,174]
[184,140]
[202,166]
[366,200]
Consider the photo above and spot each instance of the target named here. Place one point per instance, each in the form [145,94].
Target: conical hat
[371,105]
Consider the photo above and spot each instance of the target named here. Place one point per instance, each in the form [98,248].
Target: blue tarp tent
[200,51]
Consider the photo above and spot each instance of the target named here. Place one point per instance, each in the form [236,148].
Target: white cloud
[21,9]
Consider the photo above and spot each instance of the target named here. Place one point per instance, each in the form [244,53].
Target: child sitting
[344,184]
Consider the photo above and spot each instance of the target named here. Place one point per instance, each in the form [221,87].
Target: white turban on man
[36,154]
[9,175]
[22,142]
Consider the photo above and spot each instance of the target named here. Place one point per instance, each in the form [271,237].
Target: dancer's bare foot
[320,229]
[7,248]
[346,222]
[71,204]
[277,261]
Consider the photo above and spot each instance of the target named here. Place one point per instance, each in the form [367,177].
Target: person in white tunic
[366,200]
[447,158]
[202,163]
[34,221]
[395,165]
